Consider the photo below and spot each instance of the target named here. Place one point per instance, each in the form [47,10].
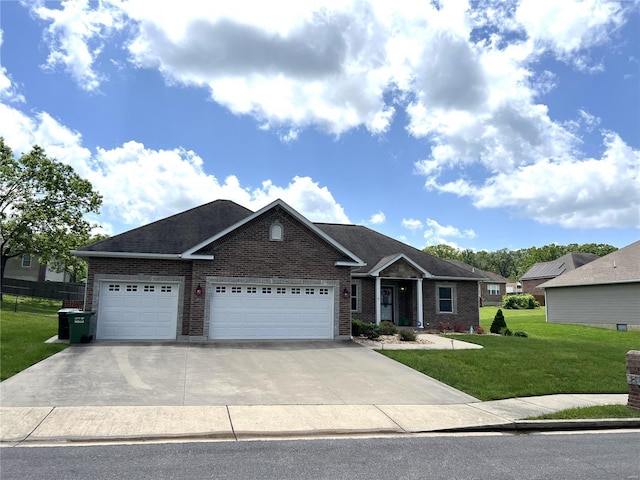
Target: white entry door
[137,311]
[271,312]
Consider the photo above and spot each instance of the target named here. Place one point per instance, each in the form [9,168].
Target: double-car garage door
[149,311]
[271,312]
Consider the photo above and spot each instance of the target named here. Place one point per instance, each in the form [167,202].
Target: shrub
[369,330]
[506,332]
[444,327]
[499,322]
[388,328]
[519,301]
[407,335]
[521,334]
[459,327]
[479,330]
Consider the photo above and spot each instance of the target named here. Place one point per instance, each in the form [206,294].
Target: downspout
[420,307]
[378,300]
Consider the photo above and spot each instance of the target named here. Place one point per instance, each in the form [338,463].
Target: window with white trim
[26,260]
[493,289]
[266,290]
[446,298]
[276,232]
[356,305]
[281,290]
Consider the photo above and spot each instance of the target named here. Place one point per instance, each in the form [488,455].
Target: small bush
[444,327]
[407,335]
[519,301]
[388,328]
[479,330]
[499,322]
[521,334]
[459,327]
[506,332]
[369,330]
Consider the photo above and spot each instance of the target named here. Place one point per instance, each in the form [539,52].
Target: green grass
[600,411]
[23,333]
[554,359]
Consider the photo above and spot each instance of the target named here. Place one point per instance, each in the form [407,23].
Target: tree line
[514,263]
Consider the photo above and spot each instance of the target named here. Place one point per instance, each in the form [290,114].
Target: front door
[386,304]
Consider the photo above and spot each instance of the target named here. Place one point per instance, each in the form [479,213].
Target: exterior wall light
[345,293]
[198,290]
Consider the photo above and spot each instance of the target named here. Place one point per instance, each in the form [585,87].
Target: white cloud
[140,184]
[377,218]
[75,36]
[466,77]
[436,234]
[412,224]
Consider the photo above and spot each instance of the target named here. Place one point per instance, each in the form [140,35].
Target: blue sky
[483,125]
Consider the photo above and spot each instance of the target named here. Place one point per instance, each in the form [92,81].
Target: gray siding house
[604,293]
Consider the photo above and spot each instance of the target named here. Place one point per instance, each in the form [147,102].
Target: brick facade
[466,310]
[633,378]
[530,286]
[246,252]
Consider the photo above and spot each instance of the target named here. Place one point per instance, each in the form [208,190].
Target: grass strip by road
[553,359]
[596,412]
[23,333]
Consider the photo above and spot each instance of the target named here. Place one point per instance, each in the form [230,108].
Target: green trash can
[80,327]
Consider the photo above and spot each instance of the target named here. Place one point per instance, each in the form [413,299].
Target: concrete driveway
[255,373]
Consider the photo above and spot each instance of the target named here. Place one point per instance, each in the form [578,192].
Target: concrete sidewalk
[47,425]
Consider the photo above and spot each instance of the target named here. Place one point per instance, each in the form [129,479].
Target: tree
[443,251]
[498,323]
[42,207]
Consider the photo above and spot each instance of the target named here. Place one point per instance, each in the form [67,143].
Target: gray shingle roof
[621,266]
[175,234]
[494,277]
[565,263]
[372,247]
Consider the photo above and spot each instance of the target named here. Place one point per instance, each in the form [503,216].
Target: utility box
[80,327]
[63,322]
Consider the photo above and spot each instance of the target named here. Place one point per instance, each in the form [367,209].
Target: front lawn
[554,359]
[24,327]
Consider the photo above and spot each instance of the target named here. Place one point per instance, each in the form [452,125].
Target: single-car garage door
[137,311]
[271,312]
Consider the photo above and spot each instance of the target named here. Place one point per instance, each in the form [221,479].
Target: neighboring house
[28,267]
[544,271]
[603,293]
[221,271]
[491,289]
[514,288]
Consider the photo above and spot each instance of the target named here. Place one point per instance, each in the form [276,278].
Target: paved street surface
[585,456]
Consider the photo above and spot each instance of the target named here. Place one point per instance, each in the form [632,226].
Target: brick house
[491,288]
[221,271]
[542,272]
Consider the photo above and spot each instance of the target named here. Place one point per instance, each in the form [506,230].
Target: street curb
[553,425]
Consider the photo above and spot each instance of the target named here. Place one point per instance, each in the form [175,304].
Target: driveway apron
[232,373]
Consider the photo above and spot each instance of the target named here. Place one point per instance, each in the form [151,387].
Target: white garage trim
[271,309]
[137,308]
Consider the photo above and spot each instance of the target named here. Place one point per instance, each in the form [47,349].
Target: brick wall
[530,286]
[633,378]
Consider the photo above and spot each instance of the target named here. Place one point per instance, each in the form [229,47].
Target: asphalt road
[561,456]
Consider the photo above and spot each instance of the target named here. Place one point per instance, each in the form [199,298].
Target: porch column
[420,309]
[378,311]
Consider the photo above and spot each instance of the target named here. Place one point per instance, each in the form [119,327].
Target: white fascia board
[458,278]
[376,272]
[292,212]
[348,264]
[599,283]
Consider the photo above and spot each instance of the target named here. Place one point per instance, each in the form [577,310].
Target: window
[324,291]
[252,290]
[309,291]
[236,289]
[149,288]
[493,289]
[132,288]
[355,297]
[165,289]
[275,232]
[266,290]
[26,260]
[281,290]
[220,289]
[446,297]
[295,291]
[114,287]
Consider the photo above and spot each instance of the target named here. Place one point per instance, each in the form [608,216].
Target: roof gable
[350,260]
[621,266]
[397,259]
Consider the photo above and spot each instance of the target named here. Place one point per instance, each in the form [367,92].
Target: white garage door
[271,312]
[137,311]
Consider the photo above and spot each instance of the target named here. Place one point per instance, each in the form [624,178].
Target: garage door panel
[130,311]
[271,312]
